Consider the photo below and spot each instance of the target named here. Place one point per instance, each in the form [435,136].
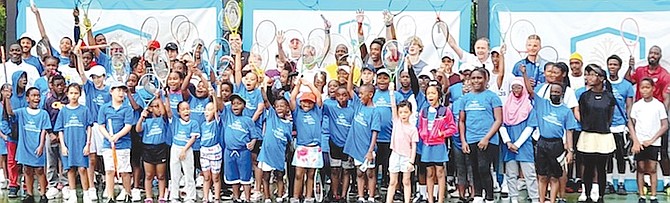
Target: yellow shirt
[331,70]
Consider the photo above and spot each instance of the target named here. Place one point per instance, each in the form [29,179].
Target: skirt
[600,143]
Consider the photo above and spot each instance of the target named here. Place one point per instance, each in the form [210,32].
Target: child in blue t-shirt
[33,124]
[153,127]
[184,133]
[277,133]
[5,128]
[340,113]
[362,139]
[211,156]
[116,119]
[308,118]
[73,125]
[239,138]
[197,101]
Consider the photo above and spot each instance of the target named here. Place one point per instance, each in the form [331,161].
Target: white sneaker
[87,197]
[136,195]
[92,194]
[496,186]
[478,200]
[199,181]
[255,196]
[582,197]
[595,195]
[122,195]
[182,182]
[67,194]
[52,193]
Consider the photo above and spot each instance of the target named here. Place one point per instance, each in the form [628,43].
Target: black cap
[237,96]
[171,46]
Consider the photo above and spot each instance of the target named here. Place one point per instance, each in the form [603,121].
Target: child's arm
[40,148]
[461,128]
[8,107]
[350,84]
[219,103]
[264,93]
[527,82]
[139,127]
[168,110]
[195,133]
[663,130]
[369,156]
[238,67]
[294,95]
[527,132]
[501,63]
[497,114]
[315,91]
[568,146]
[259,110]
[450,128]
[88,140]
[131,100]
[40,24]
[63,148]
[124,131]
[633,136]
[80,64]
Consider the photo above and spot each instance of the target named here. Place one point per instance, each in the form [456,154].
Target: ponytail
[564,70]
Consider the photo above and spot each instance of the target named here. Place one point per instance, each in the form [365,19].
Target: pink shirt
[402,137]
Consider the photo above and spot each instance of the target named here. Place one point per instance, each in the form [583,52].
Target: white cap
[117,84]
[426,72]
[466,66]
[495,49]
[383,71]
[97,70]
[345,68]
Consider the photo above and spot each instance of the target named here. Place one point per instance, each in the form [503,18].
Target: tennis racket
[119,61]
[92,14]
[311,4]
[152,84]
[258,58]
[216,49]
[520,31]
[318,186]
[393,53]
[113,145]
[2,53]
[42,49]
[396,7]
[232,15]
[439,35]
[405,28]
[359,35]
[630,34]
[265,33]
[180,33]
[548,53]
[149,31]
[313,51]
[502,19]
[293,43]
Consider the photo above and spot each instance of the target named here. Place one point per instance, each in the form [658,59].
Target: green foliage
[3,24]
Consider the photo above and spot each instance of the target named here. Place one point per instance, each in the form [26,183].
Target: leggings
[481,161]
[665,160]
[595,162]
[618,155]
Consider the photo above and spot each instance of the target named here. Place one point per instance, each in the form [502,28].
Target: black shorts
[546,154]
[136,148]
[650,153]
[428,164]
[257,147]
[337,152]
[155,154]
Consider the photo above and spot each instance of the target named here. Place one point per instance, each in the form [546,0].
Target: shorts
[122,160]
[546,157]
[257,147]
[362,165]
[265,167]
[211,158]
[237,167]
[308,157]
[399,163]
[136,148]
[347,163]
[650,153]
[96,135]
[337,152]
[155,154]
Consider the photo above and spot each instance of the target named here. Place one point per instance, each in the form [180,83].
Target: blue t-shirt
[621,91]
[553,120]
[136,113]
[534,70]
[43,85]
[382,100]
[198,114]
[104,61]
[182,131]
[119,118]
[277,135]
[479,118]
[456,110]
[525,153]
[32,60]
[63,60]
[31,127]
[154,130]
[95,98]
[253,98]
[5,128]
[455,92]
[210,133]
[73,121]
[339,120]
[308,125]
[325,135]
[366,119]
[239,130]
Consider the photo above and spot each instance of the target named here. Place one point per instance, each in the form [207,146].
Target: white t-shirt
[569,98]
[31,72]
[648,117]
[576,82]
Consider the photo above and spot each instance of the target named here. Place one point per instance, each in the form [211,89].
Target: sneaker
[13,192]
[136,195]
[226,194]
[148,200]
[86,197]
[582,197]
[43,199]
[127,199]
[642,200]
[621,189]
[360,200]
[122,195]
[199,181]
[68,194]
[92,193]
[268,201]
[496,187]
[595,195]
[609,189]
[279,200]
[561,200]
[653,201]
[417,197]
[398,196]
[256,195]
[478,200]
[53,193]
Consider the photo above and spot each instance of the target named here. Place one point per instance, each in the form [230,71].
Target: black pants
[594,162]
[665,160]
[382,159]
[574,168]
[619,154]
[481,161]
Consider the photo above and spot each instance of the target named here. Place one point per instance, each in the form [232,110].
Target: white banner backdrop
[120,20]
[591,28]
[290,14]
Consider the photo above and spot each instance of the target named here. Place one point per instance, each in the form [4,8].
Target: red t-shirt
[660,76]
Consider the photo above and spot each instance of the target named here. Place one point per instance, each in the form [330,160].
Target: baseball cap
[237,96]
[495,50]
[117,84]
[448,55]
[466,67]
[383,71]
[369,67]
[96,70]
[154,44]
[576,56]
[308,96]
[344,68]
[426,73]
[171,46]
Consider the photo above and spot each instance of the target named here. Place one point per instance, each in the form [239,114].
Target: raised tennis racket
[149,31]
[265,33]
[359,34]
[393,53]
[42,49]
[313,52]
[258,58]
[396,7]
[119,61]
[405,28]
[439,34]
[293,43]
[92,14]
[630,34]
[519,33]
[180,31]
[216,49]
[232,15]
[548,53]
[502,19]
[152,84]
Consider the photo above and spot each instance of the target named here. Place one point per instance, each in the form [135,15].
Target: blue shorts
[237,167]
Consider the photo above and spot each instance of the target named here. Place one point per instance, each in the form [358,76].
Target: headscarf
[517,109]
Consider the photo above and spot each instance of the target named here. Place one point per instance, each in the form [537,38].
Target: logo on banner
[596,46]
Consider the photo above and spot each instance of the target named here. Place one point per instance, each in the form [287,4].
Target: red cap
[154,44]
[308,96]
